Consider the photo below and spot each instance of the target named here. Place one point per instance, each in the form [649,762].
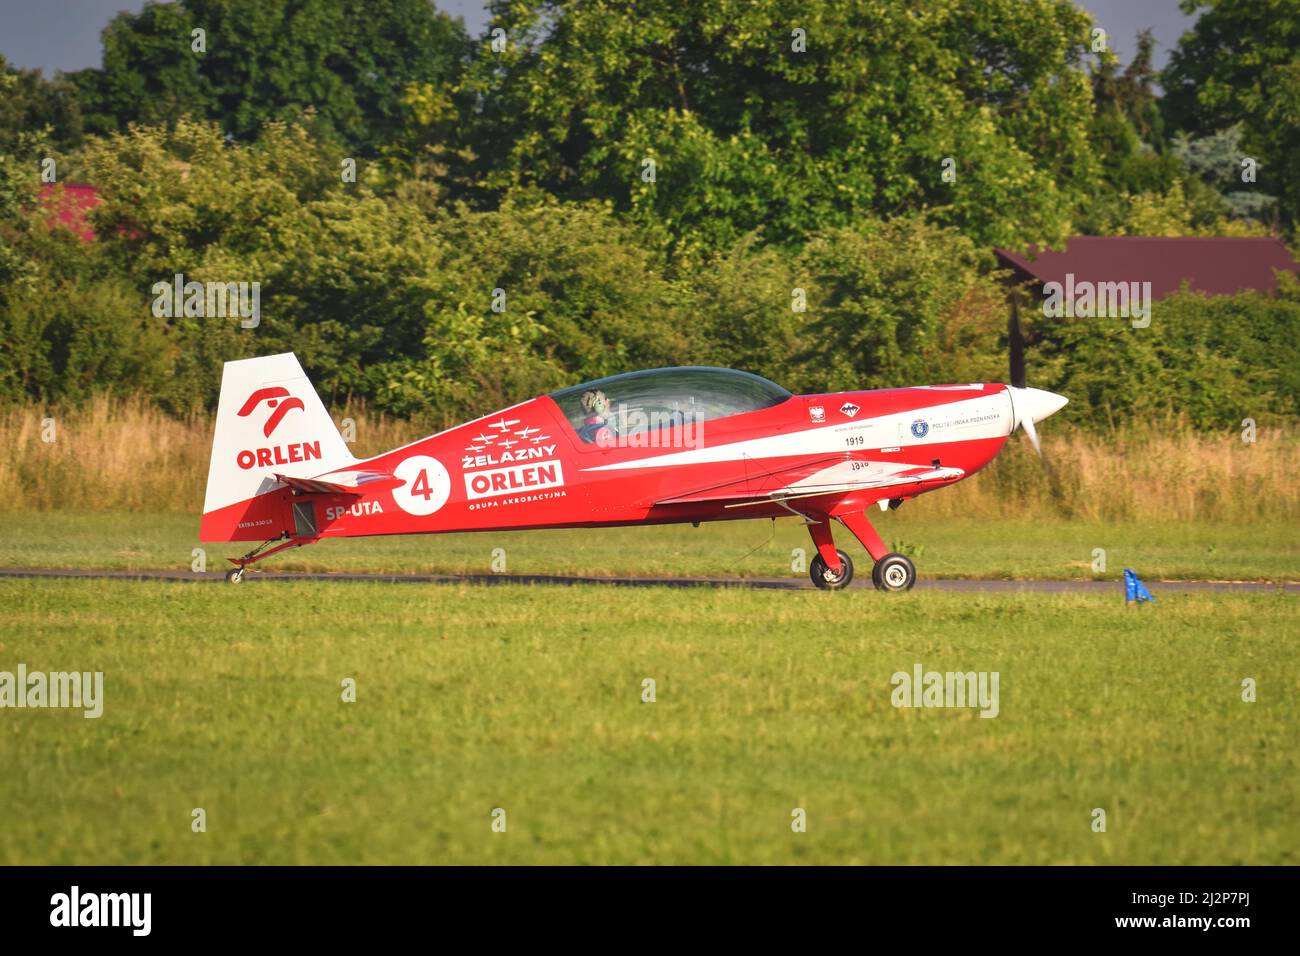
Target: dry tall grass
[1148,473]
[127,455]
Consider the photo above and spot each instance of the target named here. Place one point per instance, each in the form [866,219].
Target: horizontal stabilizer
[340,483]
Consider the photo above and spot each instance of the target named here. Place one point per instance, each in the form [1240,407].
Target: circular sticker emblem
[920,428]
[426,485]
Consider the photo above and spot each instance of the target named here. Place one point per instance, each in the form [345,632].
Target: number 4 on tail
[421,485]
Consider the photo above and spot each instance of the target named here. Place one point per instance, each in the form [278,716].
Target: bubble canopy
[665,396]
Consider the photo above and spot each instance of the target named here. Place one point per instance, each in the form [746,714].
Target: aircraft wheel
[235,575]
[894,572]
[825,578]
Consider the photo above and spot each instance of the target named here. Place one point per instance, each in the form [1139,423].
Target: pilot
[595,428]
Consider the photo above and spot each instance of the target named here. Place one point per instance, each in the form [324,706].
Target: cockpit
[635,404]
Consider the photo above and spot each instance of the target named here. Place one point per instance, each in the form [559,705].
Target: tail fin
[269,421]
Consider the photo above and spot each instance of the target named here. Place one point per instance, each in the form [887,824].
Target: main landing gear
[832,569]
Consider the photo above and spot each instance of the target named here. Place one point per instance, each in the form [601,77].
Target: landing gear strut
[832,569]
[236,574]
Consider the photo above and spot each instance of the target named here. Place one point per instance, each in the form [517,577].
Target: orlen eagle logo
[272,398]
[281,403]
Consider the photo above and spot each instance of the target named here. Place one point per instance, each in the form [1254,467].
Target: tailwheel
[828,580]
[264,550]
[894,572]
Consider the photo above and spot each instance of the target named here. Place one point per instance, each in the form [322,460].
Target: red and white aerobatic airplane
[653,447]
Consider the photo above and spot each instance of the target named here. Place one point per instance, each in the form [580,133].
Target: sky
[64,34]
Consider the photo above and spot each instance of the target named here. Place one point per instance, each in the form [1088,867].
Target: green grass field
[529,699]
[983,548]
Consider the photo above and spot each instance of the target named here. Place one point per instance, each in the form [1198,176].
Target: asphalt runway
[770,584]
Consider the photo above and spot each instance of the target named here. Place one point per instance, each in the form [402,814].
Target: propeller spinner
[1030,405]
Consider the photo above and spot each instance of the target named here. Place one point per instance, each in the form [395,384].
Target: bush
[1210,360]
[395,303]
[887,301]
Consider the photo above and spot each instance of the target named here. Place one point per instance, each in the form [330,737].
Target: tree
[150,73]
[340,271]
[1132,93]
[1240,63]
[1127,136]
[887,300]
[1216,160]
[20,151]
[710,119]
[347,60]
[535,296]
[33,104]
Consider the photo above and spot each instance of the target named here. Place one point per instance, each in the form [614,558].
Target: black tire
[235,575]
[822,577]
[894,572]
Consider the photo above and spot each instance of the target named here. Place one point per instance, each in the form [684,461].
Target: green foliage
[1240,63]
[150,73]
[1211,360]
[380,301]
[1216,160]
[19,149]
[680,186]
[342,273]
[348,61]
[746,131]
[1131,94]
[581,297]
[1127,134]
[173,197]
[1153,185]
[881,298]
[744,307]
[387,304]
[33,105]
[98,344]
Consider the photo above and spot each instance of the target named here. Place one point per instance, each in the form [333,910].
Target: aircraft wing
[811,479]
[339,482]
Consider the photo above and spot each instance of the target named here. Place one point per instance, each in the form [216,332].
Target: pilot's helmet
[594,402]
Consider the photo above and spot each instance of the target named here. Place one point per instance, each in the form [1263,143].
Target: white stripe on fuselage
[988,416]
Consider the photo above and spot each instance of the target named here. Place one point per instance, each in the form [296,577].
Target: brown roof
[1218,266]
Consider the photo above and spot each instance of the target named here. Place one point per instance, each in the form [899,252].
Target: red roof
[1218,266]
[72,210]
